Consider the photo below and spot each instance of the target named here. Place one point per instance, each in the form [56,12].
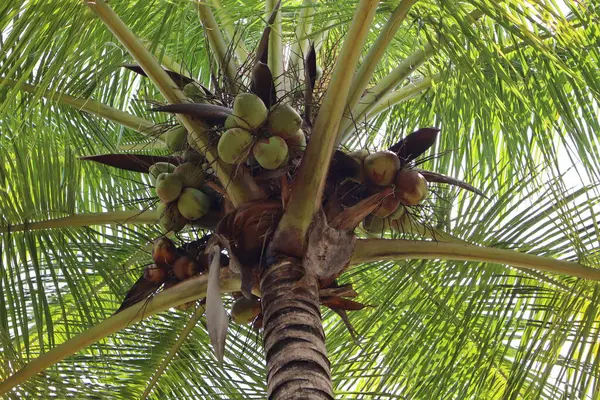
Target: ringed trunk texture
[297,363]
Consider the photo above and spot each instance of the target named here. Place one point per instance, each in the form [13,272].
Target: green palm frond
[515,93]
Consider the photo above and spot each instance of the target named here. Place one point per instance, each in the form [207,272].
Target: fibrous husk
[156,274]
[176,138]
[192,175]
[193,203]
[270,153]
[185,267]
[168,187]
[156,169]
[381,167]
[388,205]
[411,187]
[234,145]
[164,251]
[283,121]
[249,110]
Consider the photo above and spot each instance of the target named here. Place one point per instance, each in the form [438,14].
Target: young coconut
[270,152]
[234,145]
[194,92]
[245,310]
[388,205]
[230,122]
[359,156]
[381,167]
[283,121]
[249,110]
[375,225]
[168,187]
[170,217]
[156,169]
[411,187]
[191,155]
[193,203]
[176,138]
[191,174]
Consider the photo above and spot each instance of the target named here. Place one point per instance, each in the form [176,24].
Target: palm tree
[471,296]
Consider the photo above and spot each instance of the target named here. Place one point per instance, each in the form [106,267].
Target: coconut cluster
[267,136]
[381,169]
[179,190]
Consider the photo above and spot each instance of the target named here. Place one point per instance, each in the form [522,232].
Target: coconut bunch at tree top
[261,131]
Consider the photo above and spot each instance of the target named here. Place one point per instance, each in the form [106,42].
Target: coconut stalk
[369,250]
[240,187]
[189,290]
[384,87]
[275,52]
[405,93]
[174,349]
[391,81]
[365,73]
[147,128]
[218,44]
[307,189]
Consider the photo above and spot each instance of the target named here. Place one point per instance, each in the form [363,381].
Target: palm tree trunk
[298,367]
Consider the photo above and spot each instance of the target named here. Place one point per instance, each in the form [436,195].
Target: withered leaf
[415,144]
[211,113]
[431,176]
[180,80]
[217,320]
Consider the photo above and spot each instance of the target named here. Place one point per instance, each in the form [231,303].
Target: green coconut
[249,110]
[170,217]
[191,174]
[381,167]
[230,122]
[234,145]
[411,187]
[158,168]
[270,153]
[193,203]
[297,141]
[245,310]
[168,187]
[375,225]
[359,156]
[176,138]
[191,155]
[283,121]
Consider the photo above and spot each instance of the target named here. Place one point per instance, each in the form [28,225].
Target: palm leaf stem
[367,68]
[218,44]
[275,53]
[369,250]
[198,312]
[126,217]
[238,45]
[303,30]
[308,185]
[90,106]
